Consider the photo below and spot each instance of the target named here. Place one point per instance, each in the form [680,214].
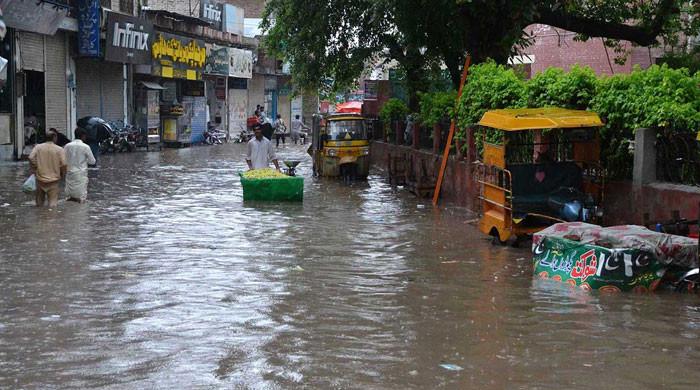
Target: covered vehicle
[351,107]
[618,258]
[340,146]
[97,129]
[538,167]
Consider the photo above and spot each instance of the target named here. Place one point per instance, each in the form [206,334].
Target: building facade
[554,47]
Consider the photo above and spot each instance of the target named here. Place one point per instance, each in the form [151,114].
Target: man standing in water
[48,162]
[78,156]
[260,151]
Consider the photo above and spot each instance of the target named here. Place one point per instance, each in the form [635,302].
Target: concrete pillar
[644,156]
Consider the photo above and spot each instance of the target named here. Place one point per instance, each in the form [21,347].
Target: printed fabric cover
[669,249]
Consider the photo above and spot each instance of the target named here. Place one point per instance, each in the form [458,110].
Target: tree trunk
[399,133]
[437,138]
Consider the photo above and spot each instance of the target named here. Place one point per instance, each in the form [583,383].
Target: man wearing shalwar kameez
[78,156]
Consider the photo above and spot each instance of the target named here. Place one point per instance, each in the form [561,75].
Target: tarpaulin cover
[349,107]
[616,258]
[273,189]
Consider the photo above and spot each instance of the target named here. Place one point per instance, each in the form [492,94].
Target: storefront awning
[151,85]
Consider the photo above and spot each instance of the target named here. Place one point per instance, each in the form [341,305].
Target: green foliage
[556,88]
[393,110]
[436,106]
[336,39]
[490,86]
[659,97]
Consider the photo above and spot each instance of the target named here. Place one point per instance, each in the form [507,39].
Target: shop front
[240,72]
[177,65]
[34,87]
[215,80]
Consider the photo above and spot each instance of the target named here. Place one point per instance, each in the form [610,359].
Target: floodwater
[167,279]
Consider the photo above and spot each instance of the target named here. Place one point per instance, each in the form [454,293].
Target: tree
[337,38]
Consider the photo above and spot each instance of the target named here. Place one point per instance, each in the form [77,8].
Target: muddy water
[166,279]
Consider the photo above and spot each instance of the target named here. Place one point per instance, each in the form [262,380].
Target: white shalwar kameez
[78,156]
[260,153]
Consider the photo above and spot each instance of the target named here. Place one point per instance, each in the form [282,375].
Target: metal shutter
[99,89]
[31,51]
[55,79]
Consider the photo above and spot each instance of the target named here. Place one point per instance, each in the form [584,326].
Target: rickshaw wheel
[496,239]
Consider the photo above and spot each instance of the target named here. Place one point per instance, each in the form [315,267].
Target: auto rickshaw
[340,146]
[538,167]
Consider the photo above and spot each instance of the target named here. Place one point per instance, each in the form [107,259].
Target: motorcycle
[214,136]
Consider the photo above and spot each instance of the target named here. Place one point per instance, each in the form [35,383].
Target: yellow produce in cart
[271,185]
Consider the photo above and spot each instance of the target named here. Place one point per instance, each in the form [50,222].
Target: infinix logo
[129,38]
[210,12]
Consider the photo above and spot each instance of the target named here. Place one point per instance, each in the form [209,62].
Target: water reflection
[167,279]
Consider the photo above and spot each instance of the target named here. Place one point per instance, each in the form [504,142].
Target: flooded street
[167,279]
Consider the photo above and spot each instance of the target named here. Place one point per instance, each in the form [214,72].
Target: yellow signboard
[178,57]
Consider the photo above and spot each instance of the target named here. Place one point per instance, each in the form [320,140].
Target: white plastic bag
[29,185]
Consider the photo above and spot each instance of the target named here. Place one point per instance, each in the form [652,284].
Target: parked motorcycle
[214,136]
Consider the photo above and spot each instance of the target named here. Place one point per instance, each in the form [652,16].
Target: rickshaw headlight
[365,151]
[332,152]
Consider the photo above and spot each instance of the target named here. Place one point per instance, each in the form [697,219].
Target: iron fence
[677,158]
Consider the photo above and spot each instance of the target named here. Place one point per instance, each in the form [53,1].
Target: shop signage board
[177,57]
[38,17]
[129,39]
[89,17]
[212,12]
[240,63]
[217,60]
[233,19]
[371,90]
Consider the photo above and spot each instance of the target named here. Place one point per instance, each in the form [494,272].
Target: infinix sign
[211,11]
[129,39]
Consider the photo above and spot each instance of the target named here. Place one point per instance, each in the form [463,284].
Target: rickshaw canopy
[351,107]
[539,118]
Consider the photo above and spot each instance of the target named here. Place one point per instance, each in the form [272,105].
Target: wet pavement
[167,279]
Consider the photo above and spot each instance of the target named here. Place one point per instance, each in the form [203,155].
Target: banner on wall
[217,60]
[240,63]
[89,17]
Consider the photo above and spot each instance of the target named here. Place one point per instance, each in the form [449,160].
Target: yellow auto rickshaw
[538,167]
[340,146]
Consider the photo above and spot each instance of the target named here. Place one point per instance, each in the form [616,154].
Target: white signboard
[237,107]
[240,63]
[233,19]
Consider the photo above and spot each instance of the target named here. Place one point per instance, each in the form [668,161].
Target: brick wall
[251,8]
[557,47]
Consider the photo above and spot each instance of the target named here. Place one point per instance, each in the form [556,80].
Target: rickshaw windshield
[346,130]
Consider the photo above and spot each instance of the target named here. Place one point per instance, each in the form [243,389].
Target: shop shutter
[32,51]
[56,88]
[99,89]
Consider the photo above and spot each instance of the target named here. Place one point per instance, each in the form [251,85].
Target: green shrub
[489,86]
[393,110]
[556,88]
[436,106]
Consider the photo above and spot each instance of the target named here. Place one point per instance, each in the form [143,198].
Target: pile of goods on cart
[268,184]
[617,258]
